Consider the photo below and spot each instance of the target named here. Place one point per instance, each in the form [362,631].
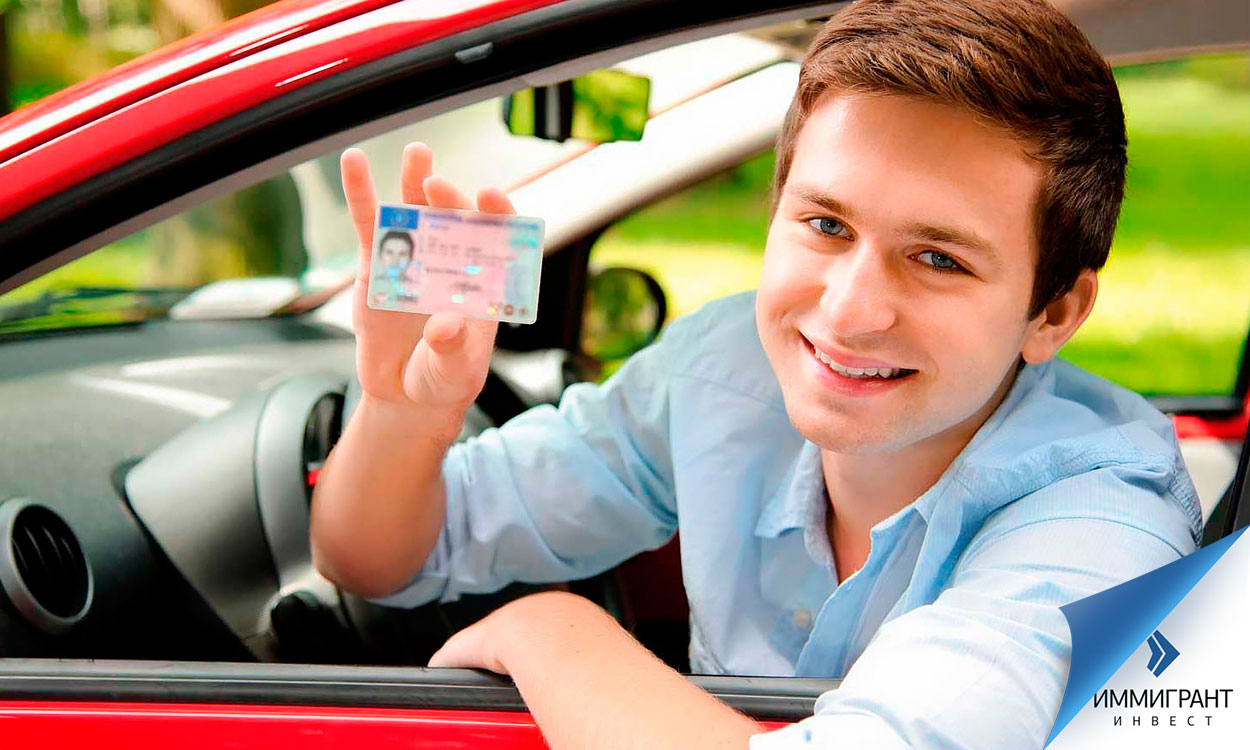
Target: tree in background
[4,58]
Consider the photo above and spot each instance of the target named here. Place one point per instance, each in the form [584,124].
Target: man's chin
[846,436]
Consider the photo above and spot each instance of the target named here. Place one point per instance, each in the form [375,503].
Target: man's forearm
[379,502]
[588,683]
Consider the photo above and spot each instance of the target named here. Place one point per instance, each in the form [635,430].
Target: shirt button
[803,619]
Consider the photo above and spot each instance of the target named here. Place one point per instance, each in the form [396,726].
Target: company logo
[1162,653]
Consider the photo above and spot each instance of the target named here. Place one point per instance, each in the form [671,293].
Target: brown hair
[1019,65]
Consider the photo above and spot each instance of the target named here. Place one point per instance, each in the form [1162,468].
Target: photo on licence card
[428,260]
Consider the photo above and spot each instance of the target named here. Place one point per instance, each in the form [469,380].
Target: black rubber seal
[779,698]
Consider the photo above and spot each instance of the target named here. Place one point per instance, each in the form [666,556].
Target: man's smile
[855,374]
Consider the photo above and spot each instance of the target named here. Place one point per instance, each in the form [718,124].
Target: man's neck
[867,489]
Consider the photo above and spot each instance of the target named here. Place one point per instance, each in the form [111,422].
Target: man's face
[394,252]
[902,241]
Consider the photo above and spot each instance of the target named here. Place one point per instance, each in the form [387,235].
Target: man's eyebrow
[932,233]
[825,201]
[955,236]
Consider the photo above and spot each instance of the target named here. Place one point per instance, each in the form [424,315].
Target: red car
[162,440]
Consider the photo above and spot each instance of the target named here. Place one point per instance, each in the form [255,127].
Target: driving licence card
[428,260]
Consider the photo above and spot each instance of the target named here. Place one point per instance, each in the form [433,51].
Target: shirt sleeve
[558,494]
[985,665]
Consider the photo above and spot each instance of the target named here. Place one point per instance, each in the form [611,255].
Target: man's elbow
[353,574]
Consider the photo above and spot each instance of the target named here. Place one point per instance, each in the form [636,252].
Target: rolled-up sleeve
[558,494]
[986,663]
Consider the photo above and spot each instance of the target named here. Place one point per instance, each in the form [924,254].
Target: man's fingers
[418,164]
[362,201]
[442,194]
[471,648]
[456,653]
[494,201]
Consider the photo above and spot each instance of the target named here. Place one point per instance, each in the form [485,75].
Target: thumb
[448,365]
[469,649]
[445,334]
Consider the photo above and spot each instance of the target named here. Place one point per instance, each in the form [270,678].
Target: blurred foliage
[610,105]
[250,233]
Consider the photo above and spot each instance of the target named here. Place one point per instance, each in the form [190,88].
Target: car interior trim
[281,494]
[220,546]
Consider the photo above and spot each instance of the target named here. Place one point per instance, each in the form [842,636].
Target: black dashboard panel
[81,407]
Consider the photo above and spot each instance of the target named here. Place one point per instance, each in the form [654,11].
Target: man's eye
[831,227]
[940,261]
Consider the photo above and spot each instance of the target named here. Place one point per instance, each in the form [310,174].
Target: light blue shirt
[949,636]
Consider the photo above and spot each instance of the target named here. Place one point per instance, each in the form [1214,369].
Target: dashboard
[155,483]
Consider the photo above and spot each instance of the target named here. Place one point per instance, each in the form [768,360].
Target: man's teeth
[851,372]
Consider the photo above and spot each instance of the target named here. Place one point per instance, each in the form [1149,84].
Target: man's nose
[860,296]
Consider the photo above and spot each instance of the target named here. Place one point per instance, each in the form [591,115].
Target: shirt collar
[798,496]
[801,492]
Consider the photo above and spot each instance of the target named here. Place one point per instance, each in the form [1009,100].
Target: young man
[877,469]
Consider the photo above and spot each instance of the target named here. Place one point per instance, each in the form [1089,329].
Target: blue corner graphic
[1108,627]
[1162,653]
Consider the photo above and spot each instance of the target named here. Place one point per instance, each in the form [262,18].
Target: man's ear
[1056,323]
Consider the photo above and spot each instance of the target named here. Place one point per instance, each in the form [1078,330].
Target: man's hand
[588,683]
[499,638]
[436,362]
[379,504]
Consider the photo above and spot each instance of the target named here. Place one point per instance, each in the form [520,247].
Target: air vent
[43,569]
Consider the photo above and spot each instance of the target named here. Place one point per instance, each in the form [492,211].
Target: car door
[166,151]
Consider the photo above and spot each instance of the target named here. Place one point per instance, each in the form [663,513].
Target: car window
[1174,299]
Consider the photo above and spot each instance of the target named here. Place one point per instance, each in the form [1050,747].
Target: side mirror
[625,310]
[601,107]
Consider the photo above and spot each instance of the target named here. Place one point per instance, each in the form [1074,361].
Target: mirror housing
[624,312]
[601,106]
